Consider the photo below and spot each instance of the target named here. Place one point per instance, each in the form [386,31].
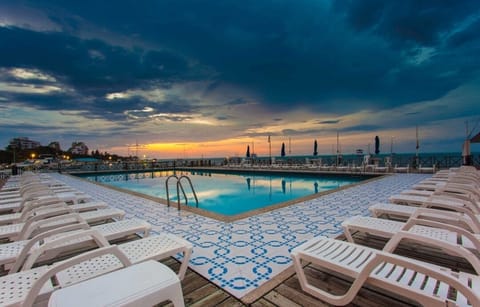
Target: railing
[180,187]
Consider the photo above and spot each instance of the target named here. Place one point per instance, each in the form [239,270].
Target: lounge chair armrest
[94,234]
[468,219]
[33,225]
[41,202]
[39,238]
[458,230]
[60,266]
[30,212]
[464,209]
[60,210]
[453,249]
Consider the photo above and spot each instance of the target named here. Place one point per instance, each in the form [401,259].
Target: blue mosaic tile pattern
[241,255]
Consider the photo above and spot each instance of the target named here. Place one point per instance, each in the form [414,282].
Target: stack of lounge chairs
[58,244]
[441,214]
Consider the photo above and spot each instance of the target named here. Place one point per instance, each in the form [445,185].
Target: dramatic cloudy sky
[191,78]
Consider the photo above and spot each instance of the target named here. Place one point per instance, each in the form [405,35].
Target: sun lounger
[464,219]
[144,284]
[427,284]
[446,202]
[427,169]
[401,169]
[450,239]
[37,284]
[43,208]
[68,197]
[34,187]
[456,193]
[6,209]
[14,183]
[21,230]
[9,252]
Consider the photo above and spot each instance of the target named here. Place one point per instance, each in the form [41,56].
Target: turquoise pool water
[228,193]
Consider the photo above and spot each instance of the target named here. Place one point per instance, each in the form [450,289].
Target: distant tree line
[11,155]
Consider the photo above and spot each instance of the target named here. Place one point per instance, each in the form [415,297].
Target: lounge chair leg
[348,234]
[184,265]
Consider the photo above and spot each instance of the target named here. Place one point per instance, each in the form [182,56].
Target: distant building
[55,145]
[24,143]
[78,148]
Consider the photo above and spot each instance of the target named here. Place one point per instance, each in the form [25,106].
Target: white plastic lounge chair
[144,284]
[37,284]
[29,204]
[462,188]
[447,202]
[18,231]
[401,169]
[43,208]
[32,188]
[447,188]
[428,284]
[456,193]
[450,239]
[9,252]
[14,184]
[465,219]
[68,197]
[426,169]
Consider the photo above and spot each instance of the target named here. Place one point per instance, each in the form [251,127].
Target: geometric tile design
[239,256]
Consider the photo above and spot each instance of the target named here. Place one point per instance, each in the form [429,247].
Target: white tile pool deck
[240,256]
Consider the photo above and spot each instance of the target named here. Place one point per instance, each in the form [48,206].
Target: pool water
[228,193]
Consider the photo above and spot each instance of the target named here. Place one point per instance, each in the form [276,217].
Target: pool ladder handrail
[180,187]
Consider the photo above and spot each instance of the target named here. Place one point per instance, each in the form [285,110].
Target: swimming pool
[229,193]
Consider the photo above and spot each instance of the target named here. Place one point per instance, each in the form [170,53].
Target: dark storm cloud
[467,37]
[329,122]
[339,56]
[407,22]
[90,66]
[85,71]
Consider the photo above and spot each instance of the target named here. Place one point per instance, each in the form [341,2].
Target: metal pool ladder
[180,187]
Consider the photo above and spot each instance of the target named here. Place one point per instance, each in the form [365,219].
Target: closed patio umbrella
[315,148]
[377,145]
[283,150]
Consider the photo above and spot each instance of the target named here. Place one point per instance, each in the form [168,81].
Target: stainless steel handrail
[180,187]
